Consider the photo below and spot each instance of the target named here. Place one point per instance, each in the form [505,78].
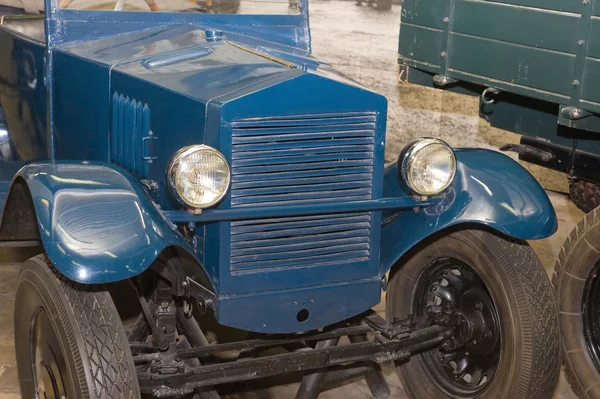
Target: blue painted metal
[301,227]
[489,189]
[96,222]
[67,25]
[275,311]
[131,140]
[220,215]
[22,99]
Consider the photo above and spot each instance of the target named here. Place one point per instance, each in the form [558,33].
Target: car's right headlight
[427,166]
[199,176]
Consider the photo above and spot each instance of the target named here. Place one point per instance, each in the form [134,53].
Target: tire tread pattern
[110,363]
[543,324]
[585,195]
[590,221]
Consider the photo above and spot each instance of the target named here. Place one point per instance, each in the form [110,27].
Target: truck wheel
[576,280]
[504,326]
[585,195]
[69,339]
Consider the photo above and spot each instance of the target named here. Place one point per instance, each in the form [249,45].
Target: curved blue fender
[489,189]
[117,235]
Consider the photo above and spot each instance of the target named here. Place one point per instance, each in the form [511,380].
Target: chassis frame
[175,370]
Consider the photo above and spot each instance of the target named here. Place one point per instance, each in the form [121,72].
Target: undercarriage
[180,370]
[173,357]
[448,327]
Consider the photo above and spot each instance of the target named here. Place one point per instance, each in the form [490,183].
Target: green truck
[535,64]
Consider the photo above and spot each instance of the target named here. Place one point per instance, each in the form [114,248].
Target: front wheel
[69,339]
[494,292]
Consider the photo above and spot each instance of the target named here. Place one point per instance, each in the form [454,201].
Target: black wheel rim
[48,365]
[466,363]
[590,310]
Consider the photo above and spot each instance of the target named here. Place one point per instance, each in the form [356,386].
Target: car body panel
[489,189]
[131,89]
[96,223]
[99,225]
[69,25]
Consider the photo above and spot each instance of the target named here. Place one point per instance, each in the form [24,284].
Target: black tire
[83,330]
[585,195]
[528,364]
[576,267]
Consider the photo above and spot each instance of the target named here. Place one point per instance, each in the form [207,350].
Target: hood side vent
[131,138]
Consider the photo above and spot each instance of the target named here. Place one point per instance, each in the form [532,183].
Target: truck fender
[96,222]
[489,189]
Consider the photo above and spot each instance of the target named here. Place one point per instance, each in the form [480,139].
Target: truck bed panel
[544,49]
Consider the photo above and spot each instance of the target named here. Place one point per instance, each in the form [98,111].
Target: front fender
[489,189]
[96,223]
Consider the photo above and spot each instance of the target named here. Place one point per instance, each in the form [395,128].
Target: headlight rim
[176,160]
[415,146]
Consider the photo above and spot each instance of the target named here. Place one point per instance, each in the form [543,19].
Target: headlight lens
[199,175]
[427,166]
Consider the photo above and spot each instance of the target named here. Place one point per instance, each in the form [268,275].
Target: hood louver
[131,137]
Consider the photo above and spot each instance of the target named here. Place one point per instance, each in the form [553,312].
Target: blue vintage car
[178,165]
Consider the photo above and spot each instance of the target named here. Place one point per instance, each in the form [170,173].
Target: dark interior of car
[28,25]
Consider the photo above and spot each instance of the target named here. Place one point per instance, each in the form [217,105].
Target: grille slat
[301,239]
[309,252]
[309,261]
[306,120]
[256,133]
[312,230]
[303,145]
[306,158]
[309,167]
[299,223]
[298,160]
[266,137]
[306,150]
[319,187]
[297,246]
[301,174]
[299,196]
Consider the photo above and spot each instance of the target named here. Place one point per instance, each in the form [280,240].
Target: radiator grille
[130,134]
[294,161]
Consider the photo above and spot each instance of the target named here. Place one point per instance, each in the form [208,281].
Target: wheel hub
[455,296]
[48,366]
[476,323]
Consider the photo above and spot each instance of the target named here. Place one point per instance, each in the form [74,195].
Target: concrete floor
[362,43]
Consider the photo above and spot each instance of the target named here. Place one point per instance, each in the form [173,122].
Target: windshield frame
[70,25]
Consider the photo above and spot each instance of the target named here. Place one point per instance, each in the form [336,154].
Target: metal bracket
[574,113]
[182,285]
[147,147]
[527,151]
[443,81]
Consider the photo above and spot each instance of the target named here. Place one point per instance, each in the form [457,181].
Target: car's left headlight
[199,176]
[427,166]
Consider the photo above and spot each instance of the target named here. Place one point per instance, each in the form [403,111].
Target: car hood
[200,62]
[156,91]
